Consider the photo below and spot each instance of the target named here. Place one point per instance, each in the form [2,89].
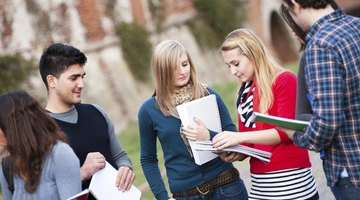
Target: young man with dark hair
[90,131]
[332,74]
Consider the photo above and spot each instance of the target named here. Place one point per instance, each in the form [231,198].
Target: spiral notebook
[206,109]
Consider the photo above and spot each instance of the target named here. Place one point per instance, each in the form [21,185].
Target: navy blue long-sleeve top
[182,171]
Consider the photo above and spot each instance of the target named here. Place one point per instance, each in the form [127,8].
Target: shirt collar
[339,13]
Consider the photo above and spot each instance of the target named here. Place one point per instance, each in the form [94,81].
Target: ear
[2,138]
[297,8]
[51,81]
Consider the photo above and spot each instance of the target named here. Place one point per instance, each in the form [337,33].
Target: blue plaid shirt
[332,73]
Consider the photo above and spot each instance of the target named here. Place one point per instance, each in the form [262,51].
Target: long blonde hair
[165,61]
[265,66]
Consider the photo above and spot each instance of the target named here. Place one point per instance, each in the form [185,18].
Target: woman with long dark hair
[41,164]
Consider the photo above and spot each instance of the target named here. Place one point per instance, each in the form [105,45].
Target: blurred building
[28,26]
[264,18]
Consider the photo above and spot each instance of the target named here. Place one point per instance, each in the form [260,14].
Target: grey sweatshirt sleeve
[303,106]
[60,177]
[4,186]
[118,153]
[67,170]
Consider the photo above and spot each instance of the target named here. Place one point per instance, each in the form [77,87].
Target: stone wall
[86,25]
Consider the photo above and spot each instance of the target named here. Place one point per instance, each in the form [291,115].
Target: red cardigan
[285,155]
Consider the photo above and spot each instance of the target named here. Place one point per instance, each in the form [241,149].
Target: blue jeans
[232,191]
[344,190]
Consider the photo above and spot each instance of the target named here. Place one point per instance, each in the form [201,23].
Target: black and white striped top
[245,104]
[296,184]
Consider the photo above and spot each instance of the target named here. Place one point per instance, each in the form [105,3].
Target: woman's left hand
[290,133]
[232,156]
[196,131]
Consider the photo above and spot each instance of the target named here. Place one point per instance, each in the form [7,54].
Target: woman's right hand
[225,139]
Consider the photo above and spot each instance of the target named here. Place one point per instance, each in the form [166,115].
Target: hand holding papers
[102,186]
[205,109]
[259,154]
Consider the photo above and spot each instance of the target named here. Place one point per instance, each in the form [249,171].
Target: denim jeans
[232,191]
[344,190]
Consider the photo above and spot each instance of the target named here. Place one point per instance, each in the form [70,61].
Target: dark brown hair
[316,4]
[285,13]
[57,58]
[30,135]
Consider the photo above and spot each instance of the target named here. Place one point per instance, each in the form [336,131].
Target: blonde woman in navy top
[176,83]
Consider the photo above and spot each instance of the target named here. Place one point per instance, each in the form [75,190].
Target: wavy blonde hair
[265,66]
[165,60]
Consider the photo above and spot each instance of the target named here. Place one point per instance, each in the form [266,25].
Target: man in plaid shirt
[332,74]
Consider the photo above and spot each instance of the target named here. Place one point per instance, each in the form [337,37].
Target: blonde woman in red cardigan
[266,87]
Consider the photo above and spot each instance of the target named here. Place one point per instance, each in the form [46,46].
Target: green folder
[293,124]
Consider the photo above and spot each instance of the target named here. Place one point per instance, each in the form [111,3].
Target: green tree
[216,18]
[14,70]
[137,48]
